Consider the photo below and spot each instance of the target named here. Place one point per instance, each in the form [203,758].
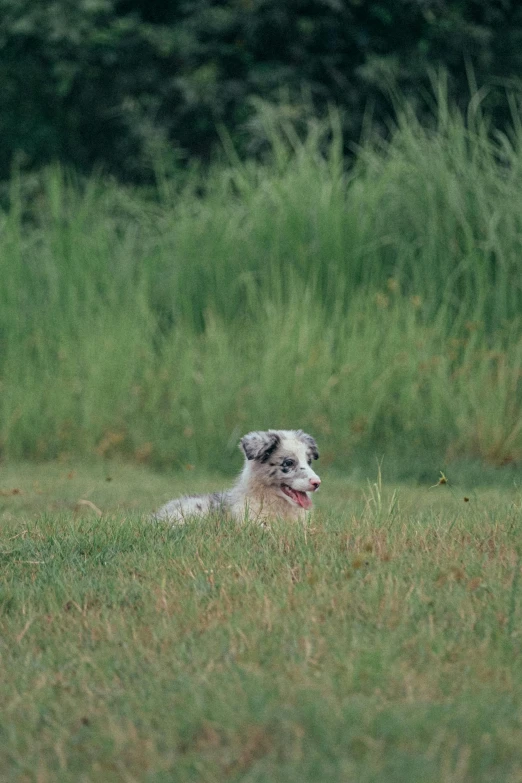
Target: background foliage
[379,307]
[113,81]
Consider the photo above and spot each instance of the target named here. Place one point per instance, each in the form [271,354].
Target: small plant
[381,513]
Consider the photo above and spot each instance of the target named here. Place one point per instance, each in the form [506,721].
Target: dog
[275,481]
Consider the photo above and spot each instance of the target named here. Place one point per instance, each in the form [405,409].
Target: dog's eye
[287,463]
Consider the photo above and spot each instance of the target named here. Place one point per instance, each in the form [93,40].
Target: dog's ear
[310,442]
[260,445]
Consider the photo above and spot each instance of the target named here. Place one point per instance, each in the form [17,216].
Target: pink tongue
[303,499]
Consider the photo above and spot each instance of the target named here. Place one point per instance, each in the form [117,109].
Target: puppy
[276,480]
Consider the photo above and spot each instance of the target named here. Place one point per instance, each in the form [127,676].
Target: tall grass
[377,304]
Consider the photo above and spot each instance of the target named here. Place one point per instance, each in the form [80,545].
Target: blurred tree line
[114,81]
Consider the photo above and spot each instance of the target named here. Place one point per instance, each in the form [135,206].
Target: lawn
[380,643]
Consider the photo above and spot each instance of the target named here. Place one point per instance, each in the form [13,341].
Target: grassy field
[381,643]
[375,303]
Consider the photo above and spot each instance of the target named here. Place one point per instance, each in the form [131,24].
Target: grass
[376,305]
[381,643]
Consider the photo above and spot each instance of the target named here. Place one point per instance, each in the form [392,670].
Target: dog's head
[281,460]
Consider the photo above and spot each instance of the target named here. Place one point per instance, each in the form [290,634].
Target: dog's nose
[315,483]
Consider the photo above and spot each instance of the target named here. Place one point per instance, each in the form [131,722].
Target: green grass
[376,305]
[382,643]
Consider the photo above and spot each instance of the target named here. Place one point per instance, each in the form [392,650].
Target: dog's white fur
[275,482]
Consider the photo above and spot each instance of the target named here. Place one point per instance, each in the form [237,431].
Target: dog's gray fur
[273,459]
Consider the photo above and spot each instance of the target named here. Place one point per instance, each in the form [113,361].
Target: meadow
[380,643]
[374,302]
